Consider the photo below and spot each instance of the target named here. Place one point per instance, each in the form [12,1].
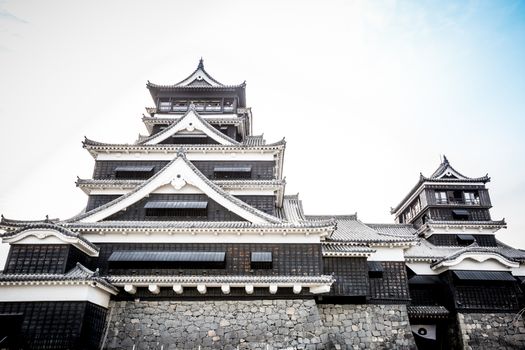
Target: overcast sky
[367,94]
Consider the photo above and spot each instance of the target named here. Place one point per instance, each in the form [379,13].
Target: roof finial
[445,160]
[201,63]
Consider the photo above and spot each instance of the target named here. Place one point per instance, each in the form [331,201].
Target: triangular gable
[191,121]
[445,170]
[178,173]
[199,78]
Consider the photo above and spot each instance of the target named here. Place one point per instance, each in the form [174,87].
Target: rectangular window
[213,106]
[180,106]
[375,269]
[233,172]
[164,105]
[134,172]
[199,105]
[441,197]
[192,139]
[471,198]
[228,105]
[465,239]
[181,209]
[460,214]
[261,260]
[167,259]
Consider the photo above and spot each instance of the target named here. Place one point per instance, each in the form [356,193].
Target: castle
[188,240]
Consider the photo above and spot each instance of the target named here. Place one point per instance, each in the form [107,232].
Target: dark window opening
[483,276]
[167,259]
[228,104]
[238,172]
[180,209]
[164,104]
[134,172]
[441,197]
[213,106]
[460,214]
[375,269]
[180,106]
[261,260]
[465,239]
[194,139]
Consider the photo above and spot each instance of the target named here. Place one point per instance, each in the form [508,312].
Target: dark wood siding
[351,276]
[446,214]
[261,170]
[43,258]
[105,169]
[451,240]
[263,203]
[96,200]
[483,296]
[487,297]
[56,324]
[288,259]
[37,258]
[392,287]
[215,212]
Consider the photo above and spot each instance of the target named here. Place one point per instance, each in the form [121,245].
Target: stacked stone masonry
[503,331]
[256,324]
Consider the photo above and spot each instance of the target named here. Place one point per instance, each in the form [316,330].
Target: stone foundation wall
[367,326]
[256,324]
[492,331]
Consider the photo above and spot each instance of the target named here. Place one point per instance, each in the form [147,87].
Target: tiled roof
[254,141]
[128,184]
[324,279]
[151,85]
[394,229]
[95,145]
[188,225]
[426,250]
[338,249]
[79,274]
[509,254]
[196,83]
[427,310]
[436,223]
[292,209]
[437,176]
[51,226]
[350,229]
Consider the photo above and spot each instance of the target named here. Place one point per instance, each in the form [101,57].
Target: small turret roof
[444,173]
[199,78]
